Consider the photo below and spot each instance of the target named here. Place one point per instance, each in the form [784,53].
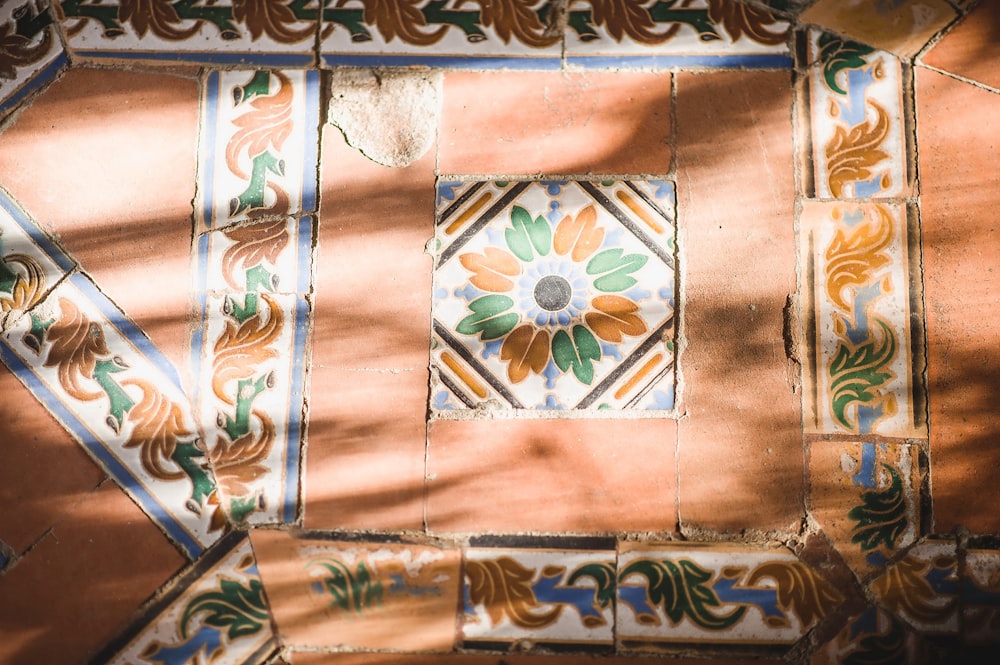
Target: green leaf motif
[604,575]
[881,517]
[683,589]
[578,353]
[237,609]
[528,233]
[838,54]
[488,319]
[858,374]
[352,590]
[619,268]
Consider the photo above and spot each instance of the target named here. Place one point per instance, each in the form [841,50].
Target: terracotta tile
[554,295]
[373,280]
[397,596]
[972,48]
[555,123]
[78,587]
[740,446]
[902,27]
[122,206]
[502,475]
[961,241]
[365,456]
[43,471]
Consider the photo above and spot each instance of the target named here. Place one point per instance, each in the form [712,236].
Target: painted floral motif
[25,40]
[923,588]
[554,291]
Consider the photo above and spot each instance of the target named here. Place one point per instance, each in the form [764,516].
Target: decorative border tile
[554,295]
[680,593]
[122,400]
[694,33]
[259,147]
[217,611]
[544,597]
[865,369]
[981,597]
[32,53]
[923,588]
[874,636]
[443,33]
[281,33]
[31,264]
[866,496]
[857,121]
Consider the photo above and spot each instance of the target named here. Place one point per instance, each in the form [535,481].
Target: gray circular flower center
[553,293]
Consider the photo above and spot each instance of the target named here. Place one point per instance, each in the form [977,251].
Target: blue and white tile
[32,54]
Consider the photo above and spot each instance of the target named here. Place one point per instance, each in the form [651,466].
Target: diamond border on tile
[122,400]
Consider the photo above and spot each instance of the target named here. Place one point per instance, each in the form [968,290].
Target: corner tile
[32,54]
[923,588]
[866,496]
[281,35]
[717,33]
[106,383]
[259,146]
[690,593]
[902,27]
[858,121]
[555,295]
[563,598]
[449,33]
[864,372]
[217,609]
[327,593]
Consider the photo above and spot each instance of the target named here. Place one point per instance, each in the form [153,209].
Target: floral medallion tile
[557,595]
[866,496]
[554,295]
[217,612]
[923,588]
[258,149]
[858,121]
[681,593]
[327,591]
[981,597]
[277,33]
[250,401]
[31,54]
[678,33]
[31,264]
[874,636]
[900,26]
[443,33]
[866,359]
[122,400]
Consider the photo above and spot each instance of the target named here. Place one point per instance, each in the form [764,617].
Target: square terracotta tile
[560,594]
[327,593]
[865,364]
[502,476]
[34,53]
[680,593]
[555,123]
[554,295]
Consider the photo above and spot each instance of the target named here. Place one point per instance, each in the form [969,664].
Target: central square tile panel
[554,295]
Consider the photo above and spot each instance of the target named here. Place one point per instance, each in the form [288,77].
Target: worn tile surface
[554,295]
[901,26]
[922,588]
[970,49]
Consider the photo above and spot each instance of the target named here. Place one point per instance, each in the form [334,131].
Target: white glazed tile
[32,54]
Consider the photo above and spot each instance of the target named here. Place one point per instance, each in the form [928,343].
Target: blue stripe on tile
[118,471]
[52,250]
[734,61]
[445,61]
[197,341]
[292,471]
[40,79]
[206,151]
[304,254]
[312,120]
[127,328]
[246,59]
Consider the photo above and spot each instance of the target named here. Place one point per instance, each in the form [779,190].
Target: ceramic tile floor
[527,331]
